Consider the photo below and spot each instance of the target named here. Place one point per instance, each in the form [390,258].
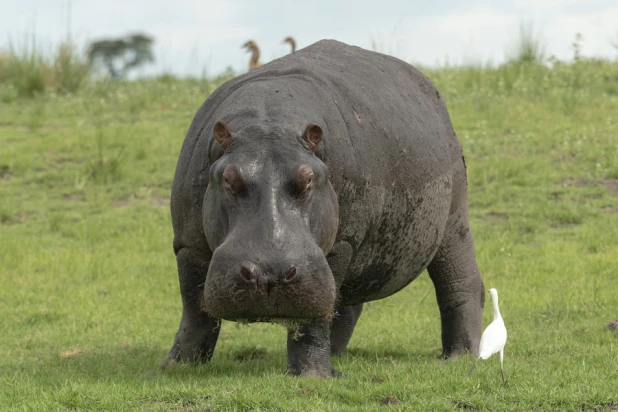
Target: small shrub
[104,168]
[70,68]
[29,70]
[529,46]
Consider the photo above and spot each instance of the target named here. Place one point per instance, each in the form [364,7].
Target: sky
[204,36]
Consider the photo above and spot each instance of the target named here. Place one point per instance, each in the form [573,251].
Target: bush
[529,47]
[30,71]
[70,68]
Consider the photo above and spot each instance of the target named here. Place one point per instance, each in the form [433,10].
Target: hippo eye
[305,179]
[232,181]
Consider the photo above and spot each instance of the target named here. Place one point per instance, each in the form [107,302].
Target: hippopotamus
[325,179]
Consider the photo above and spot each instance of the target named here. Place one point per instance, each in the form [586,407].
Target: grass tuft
[529,46]
[28,70]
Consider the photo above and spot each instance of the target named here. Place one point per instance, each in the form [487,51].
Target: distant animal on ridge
[254,62]
[291,41]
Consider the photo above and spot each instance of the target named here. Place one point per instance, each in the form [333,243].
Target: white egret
[494,336]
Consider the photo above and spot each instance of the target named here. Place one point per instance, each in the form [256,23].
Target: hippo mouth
[266,300]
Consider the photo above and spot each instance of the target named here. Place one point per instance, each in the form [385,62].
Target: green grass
[89,299]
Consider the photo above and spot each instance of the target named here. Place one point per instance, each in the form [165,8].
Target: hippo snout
[251,273]
[299,287]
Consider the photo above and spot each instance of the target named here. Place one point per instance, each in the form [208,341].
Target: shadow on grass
[390,353]
[141,363]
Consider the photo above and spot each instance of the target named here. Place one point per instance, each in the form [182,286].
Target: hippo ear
[221,132]
[313,135]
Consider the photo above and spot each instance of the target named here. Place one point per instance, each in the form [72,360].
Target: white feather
[494,336]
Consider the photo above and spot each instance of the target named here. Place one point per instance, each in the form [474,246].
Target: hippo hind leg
[459,288]
[198,332]
[342,327]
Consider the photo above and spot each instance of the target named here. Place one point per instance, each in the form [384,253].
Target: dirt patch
[496,217]
[175,405]
[8,219]
[612,186]
[121,202]
[74,353]
[123,345]
[605,408]
[389,400]
[160,201]
[579,182]
[250,354]
[465,405]
[613,325]
[45,317]
[74,197]
[64,160]
[377,379]
[154,201]
[5,172]
[561,226]
[308,392]
[608,209]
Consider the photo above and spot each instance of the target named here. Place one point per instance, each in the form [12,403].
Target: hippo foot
[455,352]
[309,350]
[195,341]
[172,357]
[179,354]
[316,373]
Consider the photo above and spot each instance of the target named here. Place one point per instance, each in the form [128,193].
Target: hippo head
[270,215]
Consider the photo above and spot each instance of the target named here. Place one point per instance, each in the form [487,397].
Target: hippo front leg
[459,288]
[342,327]
[309,350]
[198,332]
[345,316]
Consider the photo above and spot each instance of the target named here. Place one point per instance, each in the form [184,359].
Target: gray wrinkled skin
[256,239]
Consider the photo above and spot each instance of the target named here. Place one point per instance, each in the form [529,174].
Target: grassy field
[89,300]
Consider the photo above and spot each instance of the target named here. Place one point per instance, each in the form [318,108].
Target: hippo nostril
[247,274]
[291,274]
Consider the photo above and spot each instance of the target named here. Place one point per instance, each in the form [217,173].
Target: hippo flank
[325,179]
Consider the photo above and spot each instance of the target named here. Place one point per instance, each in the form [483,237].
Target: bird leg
[473,367]
[502,366]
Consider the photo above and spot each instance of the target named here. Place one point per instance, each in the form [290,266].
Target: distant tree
[119,56]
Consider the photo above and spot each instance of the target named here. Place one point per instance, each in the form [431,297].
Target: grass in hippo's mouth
[89,299]
[290,324]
